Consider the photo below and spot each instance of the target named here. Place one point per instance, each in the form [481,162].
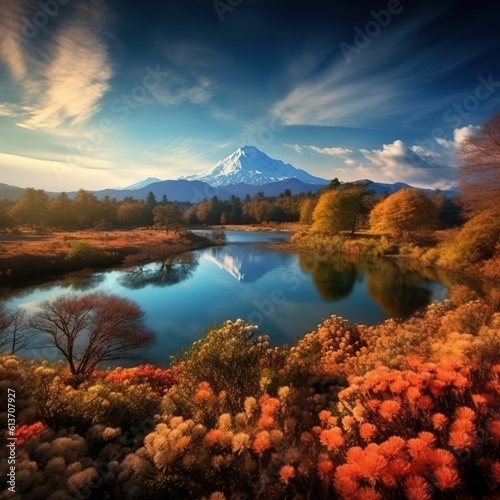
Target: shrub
[84,252]
[475,242]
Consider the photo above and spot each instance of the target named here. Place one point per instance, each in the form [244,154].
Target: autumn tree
[404,211]
[62,212]
[130,214]
[14,332]
[338,209]
[31,208]
[480,168]
[307,210]
[168,217]
[87,209]
[91,329]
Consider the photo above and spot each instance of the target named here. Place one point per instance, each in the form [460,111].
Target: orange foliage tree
[404,211]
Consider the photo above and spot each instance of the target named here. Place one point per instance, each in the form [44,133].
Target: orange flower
[332,438]
[325,466]
[439,421]
[325,415]
[367,494]
[345,481]
[399,386]
[437,387]
[465,413]
[443,458]
[428,437]
[368,431]
[287,472]
[203,395]
[461,440]
[413,393]
[446,478]
[183,442]
[393,446]
[372,466]
[389,409]
[417,488]
[270,406]
[262,442]
[425,403]
[417,447]
[398,467]
[373,404]
[214,436]
[266,421]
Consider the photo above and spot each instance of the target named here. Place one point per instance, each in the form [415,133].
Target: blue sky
[103,93]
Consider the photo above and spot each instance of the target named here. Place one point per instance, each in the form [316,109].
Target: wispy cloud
[77,76]
[14,110]
[12,51]
[379,85]
[178,89]
[65,86]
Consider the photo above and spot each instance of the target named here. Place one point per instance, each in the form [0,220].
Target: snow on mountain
[250,166]
[144,183]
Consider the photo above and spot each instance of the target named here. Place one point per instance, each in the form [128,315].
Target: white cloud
[297,147]
[433,166]
[65,86]
[337,152]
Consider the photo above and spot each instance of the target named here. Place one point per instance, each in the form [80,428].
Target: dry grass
[57,244]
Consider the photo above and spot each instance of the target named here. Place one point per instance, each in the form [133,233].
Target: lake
[285,294]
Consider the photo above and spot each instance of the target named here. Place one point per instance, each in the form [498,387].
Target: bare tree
[15,334]
[92,328]
[480,168]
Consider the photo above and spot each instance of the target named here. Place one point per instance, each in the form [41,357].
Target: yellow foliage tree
[307,210]
[337,210]
[404,211]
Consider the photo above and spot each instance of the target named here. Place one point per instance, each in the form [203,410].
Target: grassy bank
[28,256]
[400,410]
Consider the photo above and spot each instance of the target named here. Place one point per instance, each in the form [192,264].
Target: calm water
[285,294]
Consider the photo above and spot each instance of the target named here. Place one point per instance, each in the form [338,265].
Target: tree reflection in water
[334,278]
[399,290]
[172,271]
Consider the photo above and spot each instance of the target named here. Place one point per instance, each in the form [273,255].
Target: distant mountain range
[247,171]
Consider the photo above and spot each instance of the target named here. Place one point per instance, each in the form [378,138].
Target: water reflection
[246,263]
[160,275]
[334,278]
[398,289]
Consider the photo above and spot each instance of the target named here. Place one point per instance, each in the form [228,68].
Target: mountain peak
[251,166]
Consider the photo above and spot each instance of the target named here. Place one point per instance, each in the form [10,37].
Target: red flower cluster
[24,432]
[159,379]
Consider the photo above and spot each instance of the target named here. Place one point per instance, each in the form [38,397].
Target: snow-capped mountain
[250,166]
[144,183]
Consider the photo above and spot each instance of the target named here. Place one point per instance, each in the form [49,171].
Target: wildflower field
[404,409]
